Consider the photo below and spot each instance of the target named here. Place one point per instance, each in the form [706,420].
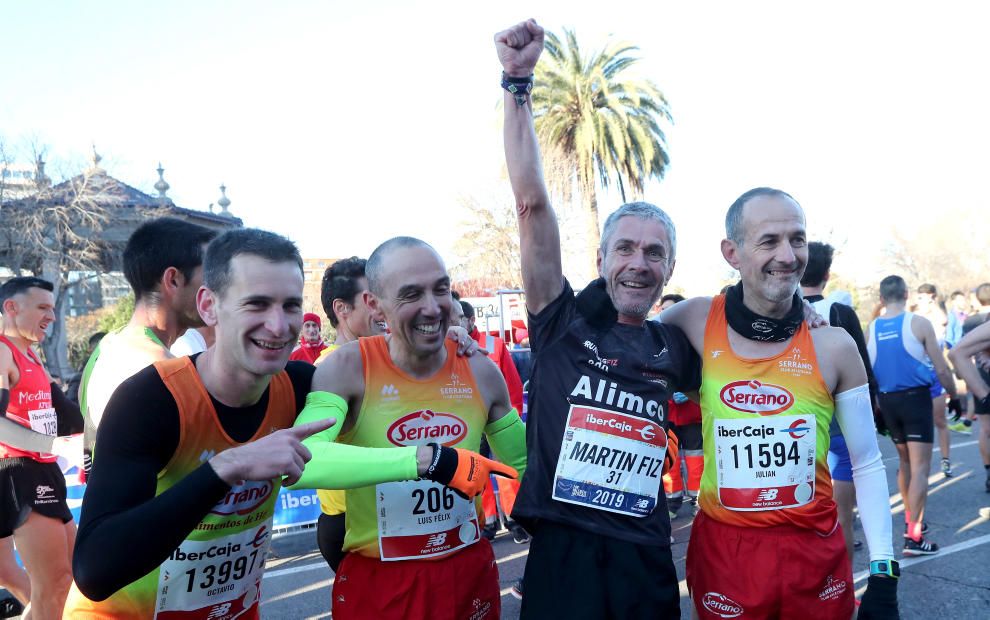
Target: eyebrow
[268,299]
[411,288]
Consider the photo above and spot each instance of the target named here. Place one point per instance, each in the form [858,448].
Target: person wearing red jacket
[310,340]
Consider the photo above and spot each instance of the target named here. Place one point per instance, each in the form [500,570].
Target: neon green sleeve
[340,466]
[320,406]
[507,438]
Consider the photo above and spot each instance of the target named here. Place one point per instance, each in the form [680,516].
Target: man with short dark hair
[35,412]
[344,294]
[194,451]
[903,349]
[813,283]
[163,265]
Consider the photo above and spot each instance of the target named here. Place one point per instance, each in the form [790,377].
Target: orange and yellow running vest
[414,519]
[216,572]
[765,424]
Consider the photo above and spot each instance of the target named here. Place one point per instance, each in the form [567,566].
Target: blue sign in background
[292,508]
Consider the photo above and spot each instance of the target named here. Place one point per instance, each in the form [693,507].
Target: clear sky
[343,123]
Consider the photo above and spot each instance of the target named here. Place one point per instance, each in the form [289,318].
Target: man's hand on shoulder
[492,384]
[690,316]
[278,454]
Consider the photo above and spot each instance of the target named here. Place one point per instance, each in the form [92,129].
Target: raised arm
[518,50]
[976,341]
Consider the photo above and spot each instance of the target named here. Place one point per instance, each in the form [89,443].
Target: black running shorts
[908,414]
[574,574]
[27,485]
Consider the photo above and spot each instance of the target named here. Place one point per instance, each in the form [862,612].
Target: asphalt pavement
[953,584]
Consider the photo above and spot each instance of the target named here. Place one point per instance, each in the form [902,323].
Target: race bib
[423,519]
[765,463]
[610,461]
[44,421]
[217,579]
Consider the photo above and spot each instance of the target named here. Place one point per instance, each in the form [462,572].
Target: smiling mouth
[429,329]
[269,345]
[634,285]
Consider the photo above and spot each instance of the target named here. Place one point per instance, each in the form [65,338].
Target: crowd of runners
[757,412]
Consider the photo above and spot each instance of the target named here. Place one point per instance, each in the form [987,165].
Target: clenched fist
[519,48]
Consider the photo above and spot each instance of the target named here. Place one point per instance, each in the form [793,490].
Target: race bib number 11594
[765,463]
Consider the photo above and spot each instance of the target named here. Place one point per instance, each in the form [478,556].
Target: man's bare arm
[690,315]
[519,49]
[976,341]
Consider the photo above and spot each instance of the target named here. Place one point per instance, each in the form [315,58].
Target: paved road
[954,584]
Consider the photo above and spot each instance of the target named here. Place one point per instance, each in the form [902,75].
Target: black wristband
[519,87]
[4,400]
[444,464]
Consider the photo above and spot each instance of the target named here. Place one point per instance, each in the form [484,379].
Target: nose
[432,306]
[277,322]
[638,260]
[785,254]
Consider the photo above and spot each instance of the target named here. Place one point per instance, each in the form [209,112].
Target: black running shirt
[617,376]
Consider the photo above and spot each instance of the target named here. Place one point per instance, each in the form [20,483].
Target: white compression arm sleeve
[855,417]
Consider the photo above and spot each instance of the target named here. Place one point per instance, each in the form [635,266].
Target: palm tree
[599,125]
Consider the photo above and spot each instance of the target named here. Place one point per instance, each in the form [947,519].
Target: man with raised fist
[598,400]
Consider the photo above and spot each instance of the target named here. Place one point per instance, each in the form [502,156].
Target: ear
[599,262]
[207,304]
[372,302]
[10,307]
[340,308]
[670,274]
[730,252]
[172,280]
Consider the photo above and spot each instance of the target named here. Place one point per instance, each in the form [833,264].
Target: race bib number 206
[610,461]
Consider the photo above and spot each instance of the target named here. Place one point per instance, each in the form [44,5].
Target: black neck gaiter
[750,325]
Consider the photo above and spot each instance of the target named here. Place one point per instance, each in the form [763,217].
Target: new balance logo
[767,495]
[437,540]
[219,611]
